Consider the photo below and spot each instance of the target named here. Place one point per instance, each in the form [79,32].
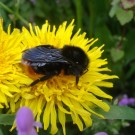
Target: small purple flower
[126,101]
[101,133]
[25,122]
[123,101]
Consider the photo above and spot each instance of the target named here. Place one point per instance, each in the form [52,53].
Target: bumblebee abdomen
[29,71]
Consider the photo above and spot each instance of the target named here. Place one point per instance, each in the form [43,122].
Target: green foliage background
[107,20]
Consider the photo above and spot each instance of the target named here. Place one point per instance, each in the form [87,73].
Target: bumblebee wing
[42,55]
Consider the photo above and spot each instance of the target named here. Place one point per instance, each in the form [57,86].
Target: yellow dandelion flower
[59,97]
[10,55]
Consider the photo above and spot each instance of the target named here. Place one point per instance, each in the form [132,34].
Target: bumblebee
[49,61]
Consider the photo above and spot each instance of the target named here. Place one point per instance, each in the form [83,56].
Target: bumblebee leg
[77,79]
[41,79]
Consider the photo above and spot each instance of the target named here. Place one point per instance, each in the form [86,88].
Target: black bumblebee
[50,61]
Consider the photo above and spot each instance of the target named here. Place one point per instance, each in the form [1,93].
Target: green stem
[6,8]
[92,15]
[16,14]
[78,5]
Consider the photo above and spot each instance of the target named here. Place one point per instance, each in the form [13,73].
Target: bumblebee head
[77,59]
